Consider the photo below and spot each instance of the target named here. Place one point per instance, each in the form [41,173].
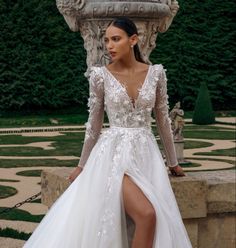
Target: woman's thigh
[136,204]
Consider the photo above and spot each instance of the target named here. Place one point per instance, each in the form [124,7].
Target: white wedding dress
[90,213]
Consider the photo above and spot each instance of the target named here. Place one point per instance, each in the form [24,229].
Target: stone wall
[207,202]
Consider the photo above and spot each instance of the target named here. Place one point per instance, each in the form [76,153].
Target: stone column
[92,17]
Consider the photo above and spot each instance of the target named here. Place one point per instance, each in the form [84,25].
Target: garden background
[43,62]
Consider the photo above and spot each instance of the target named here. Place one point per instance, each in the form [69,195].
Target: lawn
[43,120]
[6,191]
[13,163]
[19,214]
[69,144]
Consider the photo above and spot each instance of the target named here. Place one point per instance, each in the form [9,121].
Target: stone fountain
[91,18]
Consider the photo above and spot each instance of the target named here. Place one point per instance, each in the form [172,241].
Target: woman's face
[118,43]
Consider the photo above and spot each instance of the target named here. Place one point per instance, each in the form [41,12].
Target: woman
[121,170]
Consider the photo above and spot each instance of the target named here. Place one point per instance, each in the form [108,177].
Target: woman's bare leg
[139,208]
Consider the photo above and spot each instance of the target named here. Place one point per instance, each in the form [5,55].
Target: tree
[203,112]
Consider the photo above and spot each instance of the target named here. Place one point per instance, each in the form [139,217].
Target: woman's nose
[109,45]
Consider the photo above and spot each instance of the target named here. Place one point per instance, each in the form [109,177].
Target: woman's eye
[116,38]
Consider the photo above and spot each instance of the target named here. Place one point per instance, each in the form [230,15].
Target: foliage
[203,113]
[199,47]
[42,61]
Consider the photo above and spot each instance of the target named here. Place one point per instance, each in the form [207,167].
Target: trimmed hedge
[203,113]
[42,61]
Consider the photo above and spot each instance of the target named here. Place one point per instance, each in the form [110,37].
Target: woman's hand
[75,173]
[177,171]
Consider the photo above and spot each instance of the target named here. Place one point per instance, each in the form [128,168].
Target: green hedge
[42,61]
[203,113]
[199,47]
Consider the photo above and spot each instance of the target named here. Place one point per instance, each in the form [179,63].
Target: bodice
[121,110]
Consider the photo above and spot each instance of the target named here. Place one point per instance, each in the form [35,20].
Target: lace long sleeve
[96,113]
[163,122]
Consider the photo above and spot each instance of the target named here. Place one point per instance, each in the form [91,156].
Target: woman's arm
[163,122]
[96,113]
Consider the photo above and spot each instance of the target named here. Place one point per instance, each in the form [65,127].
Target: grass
[29,173]
[233,162]
[19,214]
[191,164]
[66,118]
[219,135]
[206,127]
[13,163]
[11,233]
[191,144]
[36,201]
[7,191]
[220,152]
[9,180]
[65,145]
[43,120]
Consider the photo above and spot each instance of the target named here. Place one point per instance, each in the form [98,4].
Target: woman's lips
[113,54]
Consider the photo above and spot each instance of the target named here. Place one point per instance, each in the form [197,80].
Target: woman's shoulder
[96,76]
[95,71]
[158,67]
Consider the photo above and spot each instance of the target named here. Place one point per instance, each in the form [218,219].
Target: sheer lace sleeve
[163,122]
[96,113]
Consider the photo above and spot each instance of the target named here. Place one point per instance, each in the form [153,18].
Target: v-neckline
[139,89]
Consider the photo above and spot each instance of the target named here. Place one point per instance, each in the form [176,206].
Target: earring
[132,46]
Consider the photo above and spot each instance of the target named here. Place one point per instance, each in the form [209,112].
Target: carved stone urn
[91,18]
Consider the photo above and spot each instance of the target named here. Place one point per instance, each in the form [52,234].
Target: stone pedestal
[92,17]
[179,148]
[207,202]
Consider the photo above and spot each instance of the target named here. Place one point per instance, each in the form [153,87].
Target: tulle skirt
[90,213]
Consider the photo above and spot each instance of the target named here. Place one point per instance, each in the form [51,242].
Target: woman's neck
[125,64]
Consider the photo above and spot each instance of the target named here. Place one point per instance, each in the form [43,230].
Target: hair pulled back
[130,28]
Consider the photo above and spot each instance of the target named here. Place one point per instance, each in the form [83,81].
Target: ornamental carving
[91,18]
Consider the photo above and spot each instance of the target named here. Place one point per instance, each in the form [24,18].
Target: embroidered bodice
[107,93]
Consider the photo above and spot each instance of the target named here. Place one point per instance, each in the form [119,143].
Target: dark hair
[130,28]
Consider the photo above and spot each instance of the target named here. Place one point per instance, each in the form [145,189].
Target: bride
[121,170]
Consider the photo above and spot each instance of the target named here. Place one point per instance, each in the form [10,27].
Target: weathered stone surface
[91,18]
[217,231]
[221,194]
[53,184]
[192,229]
[191,195]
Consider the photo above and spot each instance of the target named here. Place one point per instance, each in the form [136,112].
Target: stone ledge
[221,191]
[197,194]
[206,201]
